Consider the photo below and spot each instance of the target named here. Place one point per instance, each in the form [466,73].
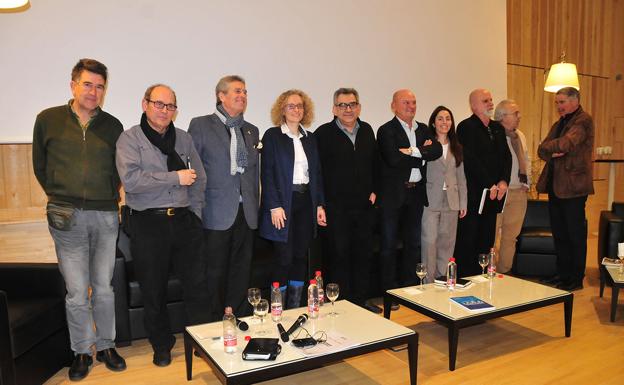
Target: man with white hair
[509,222]
[487,165]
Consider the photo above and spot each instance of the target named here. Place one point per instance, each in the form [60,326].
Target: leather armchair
[610,233]
[34,340]
[129,311]
[535,250]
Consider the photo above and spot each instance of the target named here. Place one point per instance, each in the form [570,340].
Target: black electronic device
[304,342]
[298,322]
[242,325]
[282,332]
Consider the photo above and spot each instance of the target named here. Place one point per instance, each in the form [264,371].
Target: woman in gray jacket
[446,193]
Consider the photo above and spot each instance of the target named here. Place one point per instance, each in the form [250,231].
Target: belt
[410,184]
[168,211]
[300,188]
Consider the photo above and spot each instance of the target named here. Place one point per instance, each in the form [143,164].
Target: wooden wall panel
[539,30]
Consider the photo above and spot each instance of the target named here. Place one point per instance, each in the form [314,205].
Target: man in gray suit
[228,148]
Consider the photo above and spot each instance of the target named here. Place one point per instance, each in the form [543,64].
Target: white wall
[439,48]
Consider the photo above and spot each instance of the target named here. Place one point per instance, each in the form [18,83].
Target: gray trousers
[437,238]
[86,257]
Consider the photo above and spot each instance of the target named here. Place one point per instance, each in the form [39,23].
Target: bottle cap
[452,259]
[317,273]
[313,281]
[247,338]
[275,284]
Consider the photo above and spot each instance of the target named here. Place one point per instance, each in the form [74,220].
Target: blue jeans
[86,256]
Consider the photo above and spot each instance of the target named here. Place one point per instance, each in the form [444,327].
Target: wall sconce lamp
[12,5]
[561,75]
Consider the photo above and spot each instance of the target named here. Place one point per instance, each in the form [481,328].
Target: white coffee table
[367,332]
[507,294]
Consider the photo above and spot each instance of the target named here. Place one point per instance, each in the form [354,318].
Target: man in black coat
[487,165]
[405,146]
[349,161]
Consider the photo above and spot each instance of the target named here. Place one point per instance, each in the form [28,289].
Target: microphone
[282,332]
[300,321]
[242,325]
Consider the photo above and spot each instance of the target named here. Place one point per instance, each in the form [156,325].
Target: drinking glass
[483,262]
[253,296]
[421,272]
[331,292]
[261,310]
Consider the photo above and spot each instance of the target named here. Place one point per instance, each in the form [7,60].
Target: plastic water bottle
[276,303]
[451,274]
[492,263]
[229,331]
[319,284]
[313,299]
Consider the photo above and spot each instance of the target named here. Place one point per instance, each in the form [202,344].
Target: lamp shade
[561,75]
[9,4]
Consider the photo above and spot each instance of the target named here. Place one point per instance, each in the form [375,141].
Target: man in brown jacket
[567,178]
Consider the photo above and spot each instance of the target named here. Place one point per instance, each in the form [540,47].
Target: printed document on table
[335,342]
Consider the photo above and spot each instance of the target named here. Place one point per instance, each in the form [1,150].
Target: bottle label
[229,341]
[276,310]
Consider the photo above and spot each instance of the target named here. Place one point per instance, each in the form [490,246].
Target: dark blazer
[223,190]
[278,158]
[573,171]
[486,161]
[396,167]
[349,171]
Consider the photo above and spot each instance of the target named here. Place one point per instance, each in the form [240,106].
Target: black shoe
[112,359]
[395,306]
[570,286]
[80,367]
[554,280]
[162,358]
[373,308]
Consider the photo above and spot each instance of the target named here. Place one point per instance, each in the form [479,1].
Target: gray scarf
[238,152]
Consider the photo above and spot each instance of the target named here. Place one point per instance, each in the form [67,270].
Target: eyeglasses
[292,107]
[89,86]
[344,106]
[517,113]
[160,105]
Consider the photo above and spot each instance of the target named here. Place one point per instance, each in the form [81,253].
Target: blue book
[472,303]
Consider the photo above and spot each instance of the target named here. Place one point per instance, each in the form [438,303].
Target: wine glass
[331,292]
[421,272]
[621,256]
[483,262]
[253,296]
[261,310]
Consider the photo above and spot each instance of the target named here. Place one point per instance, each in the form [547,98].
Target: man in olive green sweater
[74,161]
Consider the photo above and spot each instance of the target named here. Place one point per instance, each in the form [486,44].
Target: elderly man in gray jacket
[228,148]
[165,193]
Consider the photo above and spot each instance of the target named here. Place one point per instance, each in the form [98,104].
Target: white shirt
[514,182]
[445,147]
[300,168]
[415,175]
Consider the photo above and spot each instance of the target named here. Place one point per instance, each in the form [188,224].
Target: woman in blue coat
[292,191]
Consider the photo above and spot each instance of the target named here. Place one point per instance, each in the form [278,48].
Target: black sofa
[610,233]
[535,250]
[34,340]
[129,304]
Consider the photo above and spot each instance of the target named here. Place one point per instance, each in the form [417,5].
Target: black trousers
[569,229]
[475,235]
[291,262]
[228,257]
[406,218]
[348,251]
[157,243]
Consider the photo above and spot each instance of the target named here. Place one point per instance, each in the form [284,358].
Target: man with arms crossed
[349,162]
[74,161]
[228,148]
[404,146]
[567,178]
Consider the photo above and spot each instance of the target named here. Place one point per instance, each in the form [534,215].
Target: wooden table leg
[567,314]
[453,337]
[188,356]
[615,291]
[412,357]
